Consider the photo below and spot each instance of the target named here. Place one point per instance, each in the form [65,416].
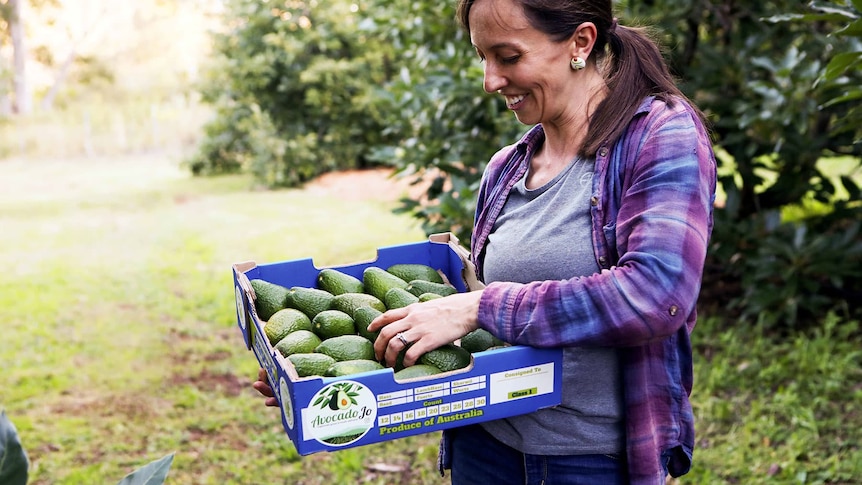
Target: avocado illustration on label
[338,396]
[339,400]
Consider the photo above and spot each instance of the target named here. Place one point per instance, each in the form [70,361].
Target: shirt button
[673,310]
[603,260]
[603,152]
[594,201]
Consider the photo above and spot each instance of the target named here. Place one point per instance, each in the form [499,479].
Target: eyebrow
[499,45]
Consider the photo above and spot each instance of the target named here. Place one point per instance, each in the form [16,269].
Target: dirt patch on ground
[207,381]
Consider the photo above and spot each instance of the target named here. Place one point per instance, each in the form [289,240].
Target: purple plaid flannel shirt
[652,205]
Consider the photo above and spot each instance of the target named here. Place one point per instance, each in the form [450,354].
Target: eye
[510,60]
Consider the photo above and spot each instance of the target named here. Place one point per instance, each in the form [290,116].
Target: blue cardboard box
[499,383]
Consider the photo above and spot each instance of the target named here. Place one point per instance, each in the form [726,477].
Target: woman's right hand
[262,386]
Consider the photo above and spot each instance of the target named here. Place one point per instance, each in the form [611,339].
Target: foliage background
[779,82]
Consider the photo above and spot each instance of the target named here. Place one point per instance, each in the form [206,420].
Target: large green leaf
[13,459]
[153,473]
[841,63]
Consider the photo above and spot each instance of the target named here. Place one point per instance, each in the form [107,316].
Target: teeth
[513,100]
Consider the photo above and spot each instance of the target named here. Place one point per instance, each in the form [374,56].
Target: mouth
[514,102]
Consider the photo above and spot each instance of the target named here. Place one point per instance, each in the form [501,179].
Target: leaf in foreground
[13,459]
[153,473]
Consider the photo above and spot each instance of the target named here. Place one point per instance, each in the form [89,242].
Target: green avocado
[363,317]
[349,302]
[378,281]
[398,298]
[268,298]
[414,271]
[349,367]
[338,282]
[414,371]
[310,301]
[447,358]
[419,287]
[347,347]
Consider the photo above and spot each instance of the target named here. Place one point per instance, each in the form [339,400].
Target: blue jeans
[478,458]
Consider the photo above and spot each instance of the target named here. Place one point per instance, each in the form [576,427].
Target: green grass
[785,411]
[120,345]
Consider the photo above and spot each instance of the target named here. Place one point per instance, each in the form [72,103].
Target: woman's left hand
[425,325]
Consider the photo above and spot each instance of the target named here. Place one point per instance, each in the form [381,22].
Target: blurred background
[145,146]
[94,78]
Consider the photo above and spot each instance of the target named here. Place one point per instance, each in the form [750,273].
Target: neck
[565,136]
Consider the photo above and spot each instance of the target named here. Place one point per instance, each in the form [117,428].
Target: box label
[241,312]
[258,345]
[340,413]
[431,407]
[286,403]
[522,383]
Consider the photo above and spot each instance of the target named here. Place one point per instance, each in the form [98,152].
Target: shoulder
[674,116]
[664,110]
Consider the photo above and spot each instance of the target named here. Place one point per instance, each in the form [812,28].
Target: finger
[386,318]
[261,375]
[271,402]
[383,345]
[398,346]
[387,333]
[263,388]
[423,342]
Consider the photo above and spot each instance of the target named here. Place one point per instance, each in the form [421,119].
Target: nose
[493,80]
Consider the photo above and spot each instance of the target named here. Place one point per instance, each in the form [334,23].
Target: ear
[583,40]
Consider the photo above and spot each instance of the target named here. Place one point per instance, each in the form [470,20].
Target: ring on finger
[400,336]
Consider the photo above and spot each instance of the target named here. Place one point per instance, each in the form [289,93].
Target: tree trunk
[23,99]
[51,95]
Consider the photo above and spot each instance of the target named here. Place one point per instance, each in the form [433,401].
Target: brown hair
[633,64]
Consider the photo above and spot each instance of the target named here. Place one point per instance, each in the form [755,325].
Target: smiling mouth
[513,102]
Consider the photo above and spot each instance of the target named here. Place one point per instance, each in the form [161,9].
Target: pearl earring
[578,63]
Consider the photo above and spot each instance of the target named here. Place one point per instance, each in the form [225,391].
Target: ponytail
[634,69]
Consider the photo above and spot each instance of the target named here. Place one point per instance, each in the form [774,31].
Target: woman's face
[521,63]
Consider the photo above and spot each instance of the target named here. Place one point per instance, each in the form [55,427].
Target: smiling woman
[591,233]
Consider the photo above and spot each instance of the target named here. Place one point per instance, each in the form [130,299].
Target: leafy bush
[293,83]
[445,126]
[786,276]
[774,258]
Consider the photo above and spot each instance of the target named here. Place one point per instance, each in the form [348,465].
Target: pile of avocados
[323,331]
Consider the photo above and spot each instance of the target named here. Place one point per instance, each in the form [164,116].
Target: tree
[296,88]
[445,126]
[12,13]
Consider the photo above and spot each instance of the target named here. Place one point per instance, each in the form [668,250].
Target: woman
[590,234]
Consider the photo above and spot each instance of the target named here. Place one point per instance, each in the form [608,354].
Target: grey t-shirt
[545,234]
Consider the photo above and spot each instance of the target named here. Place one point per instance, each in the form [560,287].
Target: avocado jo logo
[338,396]
[341,413]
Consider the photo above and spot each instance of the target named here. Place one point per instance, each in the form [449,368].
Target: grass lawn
[120,343]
